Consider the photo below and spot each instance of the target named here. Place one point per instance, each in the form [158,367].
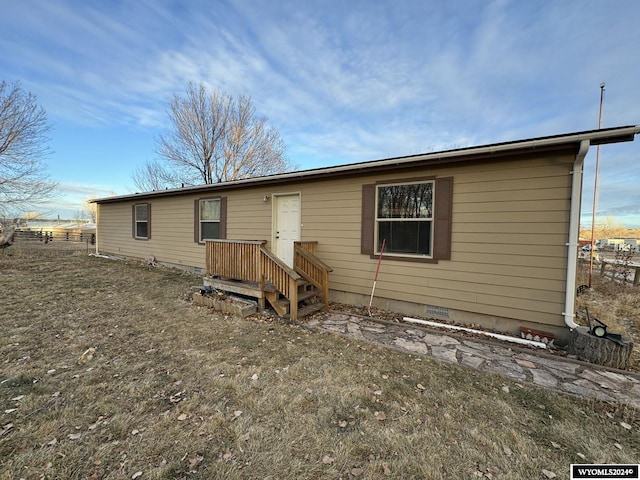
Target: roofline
[595,137]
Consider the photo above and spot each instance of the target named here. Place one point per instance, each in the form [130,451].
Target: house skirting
[449,315]
[434,312]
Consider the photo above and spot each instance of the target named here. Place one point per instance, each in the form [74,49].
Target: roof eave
[595,137]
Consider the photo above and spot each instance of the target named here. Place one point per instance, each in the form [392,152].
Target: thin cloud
[341,81]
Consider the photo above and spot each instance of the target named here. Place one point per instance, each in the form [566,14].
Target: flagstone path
[523,365]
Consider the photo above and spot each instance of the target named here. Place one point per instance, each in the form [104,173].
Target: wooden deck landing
[248,268]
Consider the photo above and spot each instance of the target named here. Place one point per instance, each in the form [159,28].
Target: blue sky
[342,81]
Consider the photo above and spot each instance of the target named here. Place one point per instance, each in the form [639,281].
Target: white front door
[286,226]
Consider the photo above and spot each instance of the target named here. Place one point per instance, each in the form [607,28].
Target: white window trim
[136,221]
[430,219]
[200,221]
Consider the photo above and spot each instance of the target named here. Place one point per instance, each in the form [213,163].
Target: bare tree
[90,209]
[251,148]
[213,138]
[23,146]
[153,175]
[7,236]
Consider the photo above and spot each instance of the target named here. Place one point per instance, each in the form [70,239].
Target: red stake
[375,279]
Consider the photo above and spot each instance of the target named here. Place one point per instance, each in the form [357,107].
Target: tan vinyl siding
[248,216]
[509,231]
[510,228]
[173,223]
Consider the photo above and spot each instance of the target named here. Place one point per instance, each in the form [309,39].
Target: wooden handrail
[312,269]
[308,245]
[249,260]
[243,242]
[236,259]
[311,257]
[282,277]
[278,273]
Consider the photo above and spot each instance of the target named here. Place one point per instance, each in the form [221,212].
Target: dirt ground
[107,371]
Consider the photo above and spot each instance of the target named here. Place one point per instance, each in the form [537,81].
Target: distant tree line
[610,228]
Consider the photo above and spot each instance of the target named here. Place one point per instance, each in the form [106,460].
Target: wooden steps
[308,300]
[292,291]
[309,297]
[309,309]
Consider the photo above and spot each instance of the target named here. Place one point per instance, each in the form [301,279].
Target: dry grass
[614,303]
[175,391]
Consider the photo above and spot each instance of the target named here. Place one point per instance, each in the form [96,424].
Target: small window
[404,218]
[209,220]
[141,221]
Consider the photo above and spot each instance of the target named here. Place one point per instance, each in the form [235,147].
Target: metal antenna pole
[595,190]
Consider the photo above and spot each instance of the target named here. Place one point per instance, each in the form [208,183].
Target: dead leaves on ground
[357,470]
[194,463]
[344,423]
[482,471]
[87,356]
[6,428]
[327,460]
[176,397]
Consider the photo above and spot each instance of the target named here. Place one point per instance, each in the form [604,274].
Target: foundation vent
[437,312]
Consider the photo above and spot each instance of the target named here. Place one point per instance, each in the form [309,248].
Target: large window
[413,216]
[209,219]
[404,218]
[142,221]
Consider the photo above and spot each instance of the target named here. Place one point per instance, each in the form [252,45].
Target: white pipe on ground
[499,336]
[97,255]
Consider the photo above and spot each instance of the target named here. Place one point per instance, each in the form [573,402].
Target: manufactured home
[484,235]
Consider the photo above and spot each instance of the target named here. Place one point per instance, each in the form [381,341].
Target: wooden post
[636,277]
[325,288]
[261,303]
[293,299]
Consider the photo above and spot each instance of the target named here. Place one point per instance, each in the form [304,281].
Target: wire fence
[51,242]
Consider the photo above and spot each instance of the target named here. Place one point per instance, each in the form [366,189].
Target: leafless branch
[213,138]
[23,147]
